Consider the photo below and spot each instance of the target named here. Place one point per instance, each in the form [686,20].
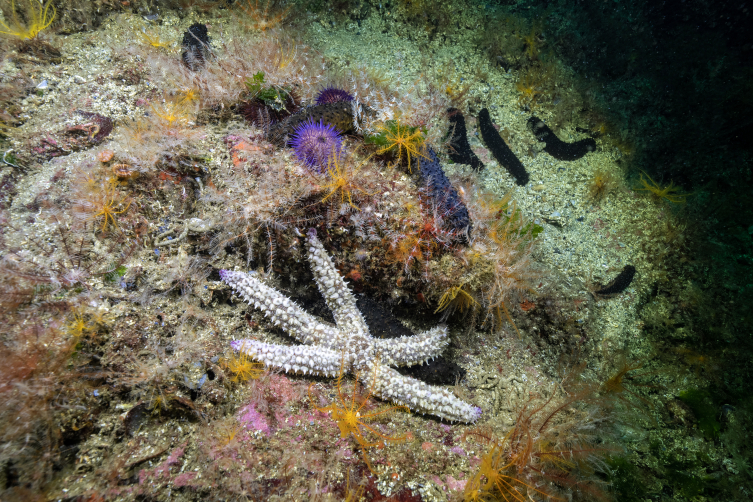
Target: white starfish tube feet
[347,346]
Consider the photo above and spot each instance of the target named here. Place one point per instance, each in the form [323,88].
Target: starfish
[346,346]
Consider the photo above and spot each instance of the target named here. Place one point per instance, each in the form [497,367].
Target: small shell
[105,155]
[123,171]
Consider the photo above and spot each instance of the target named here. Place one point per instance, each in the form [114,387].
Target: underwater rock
[99,125]
[73,138]
[620,283]
[333,95]
[500,150]
[339,115]
[555,146]
[444,195]
[459,149]
[259,113]
[195,46]
[383,324]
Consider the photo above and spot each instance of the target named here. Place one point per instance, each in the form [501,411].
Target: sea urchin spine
[314,142]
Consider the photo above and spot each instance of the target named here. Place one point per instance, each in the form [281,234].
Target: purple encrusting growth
[314,142]
[332,95]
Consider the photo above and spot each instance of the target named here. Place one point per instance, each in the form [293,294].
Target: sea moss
[704,409]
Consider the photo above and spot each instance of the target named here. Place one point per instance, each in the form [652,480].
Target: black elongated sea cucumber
[500,150]
[555,146]
[620,283]
[444,195]
[195,46]
[459,149]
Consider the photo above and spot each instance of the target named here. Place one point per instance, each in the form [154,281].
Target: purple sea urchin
[314,142]
[332,95]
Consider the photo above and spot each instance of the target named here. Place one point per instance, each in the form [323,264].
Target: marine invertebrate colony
[348,344]
[353,422]
[314,143]
[39,19]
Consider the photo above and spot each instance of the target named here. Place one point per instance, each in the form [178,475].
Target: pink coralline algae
[252,419]
[162,471]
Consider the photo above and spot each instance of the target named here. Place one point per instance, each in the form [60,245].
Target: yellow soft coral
[401,140]
[39,17]
[347,413]
[243,366]
[669,192]
[343,176]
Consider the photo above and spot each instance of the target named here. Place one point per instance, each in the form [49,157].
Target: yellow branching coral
[243,366]
[669,192]
[351,418]
[40,16]
[343,177]
[153,40]
[399,139]
[456,298]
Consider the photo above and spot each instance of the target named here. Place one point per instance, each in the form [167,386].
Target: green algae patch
[704,409]
[625,480]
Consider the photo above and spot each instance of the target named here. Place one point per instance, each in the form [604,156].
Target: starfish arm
[297,358]
[281,310]
[419,396]
[410,350]
[339,299]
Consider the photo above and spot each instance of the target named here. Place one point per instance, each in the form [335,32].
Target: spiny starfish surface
[348,345]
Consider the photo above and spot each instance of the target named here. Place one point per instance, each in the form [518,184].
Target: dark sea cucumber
[195,46]
[444,195]
[339,115]
[500,150]
[555,146]
[459,149]
[620,283]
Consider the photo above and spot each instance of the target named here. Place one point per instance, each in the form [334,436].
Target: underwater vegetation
[549,454]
